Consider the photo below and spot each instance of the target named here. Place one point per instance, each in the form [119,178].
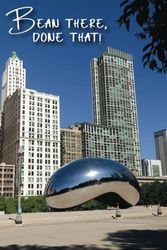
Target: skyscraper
[14,77]
[84,140]
[161,148]
[151,167]
[31,121]
[97,141]
[114,104]
[71,146]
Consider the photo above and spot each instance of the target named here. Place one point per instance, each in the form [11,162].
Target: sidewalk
[86,230]
[79,216]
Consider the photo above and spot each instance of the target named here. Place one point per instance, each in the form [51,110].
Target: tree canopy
[153,193]
[151,17]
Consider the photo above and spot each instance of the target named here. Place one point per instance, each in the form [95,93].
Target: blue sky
[64,69]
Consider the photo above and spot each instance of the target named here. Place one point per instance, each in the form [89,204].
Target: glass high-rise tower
[114,104]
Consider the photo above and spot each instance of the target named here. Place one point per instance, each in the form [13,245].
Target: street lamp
[18,219]
[118,213]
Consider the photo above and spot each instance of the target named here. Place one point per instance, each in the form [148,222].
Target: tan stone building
[7,179]
[71,146]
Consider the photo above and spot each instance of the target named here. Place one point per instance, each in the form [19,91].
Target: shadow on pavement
[38,247]
[138,239]
[123,240]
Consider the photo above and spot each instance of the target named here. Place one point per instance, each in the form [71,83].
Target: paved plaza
[138,228]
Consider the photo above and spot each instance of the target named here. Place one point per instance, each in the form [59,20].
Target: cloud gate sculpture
[92,178]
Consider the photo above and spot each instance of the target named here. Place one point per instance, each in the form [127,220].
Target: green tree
[11,206]
[144,194]
[34,204]
[151,17]
[153,193]
[29,204]
[164,193]
[2,203]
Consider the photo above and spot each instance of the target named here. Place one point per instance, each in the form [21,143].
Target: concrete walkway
[88,230]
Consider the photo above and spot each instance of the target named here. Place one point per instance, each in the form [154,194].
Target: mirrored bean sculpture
[92,178]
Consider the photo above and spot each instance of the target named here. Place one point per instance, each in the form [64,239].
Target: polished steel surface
[89,178]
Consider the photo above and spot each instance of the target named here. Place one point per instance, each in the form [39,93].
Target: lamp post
[118,213]
[159,211]
[18,219]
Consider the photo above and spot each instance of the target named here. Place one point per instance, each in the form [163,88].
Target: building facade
[161,148]
[1,142]
[114,104]
[98,141]
[84,140]
[14,77]
[31,122]
[71,146]
[7,180]
[151,167]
